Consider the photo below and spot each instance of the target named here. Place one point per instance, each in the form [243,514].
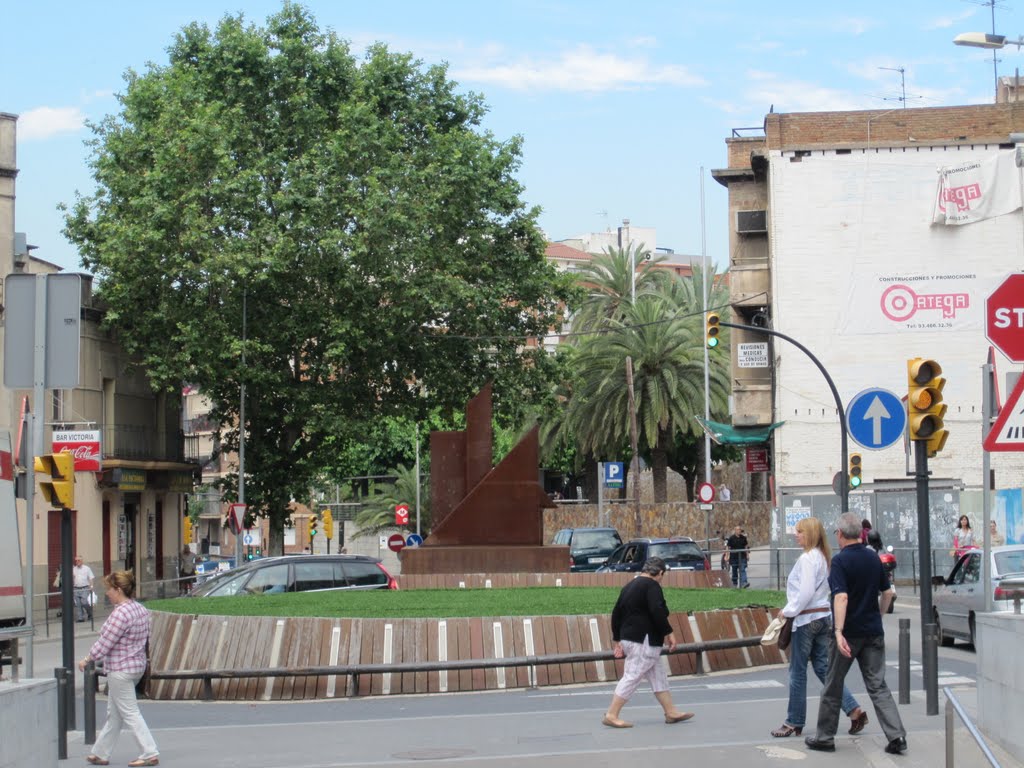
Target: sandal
[94,760]
[144,761]
[857,723]
[786,729]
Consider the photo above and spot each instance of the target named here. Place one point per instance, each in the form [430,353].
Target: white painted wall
[840,225]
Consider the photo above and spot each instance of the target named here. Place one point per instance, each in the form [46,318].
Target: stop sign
[395,542]
[1004,317]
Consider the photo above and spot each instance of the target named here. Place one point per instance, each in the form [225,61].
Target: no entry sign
[1004,317]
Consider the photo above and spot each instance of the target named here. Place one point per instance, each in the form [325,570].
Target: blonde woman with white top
[807,601]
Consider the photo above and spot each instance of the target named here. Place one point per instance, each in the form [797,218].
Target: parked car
[588,547]
[961,595]
[678,552]
[299,573]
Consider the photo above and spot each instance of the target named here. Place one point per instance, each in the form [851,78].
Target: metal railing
[907,564]
[13,635]
[1014,588]
[354,671]
[954,706]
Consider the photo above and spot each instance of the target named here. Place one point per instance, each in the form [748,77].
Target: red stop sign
[396,542]
[1004,317]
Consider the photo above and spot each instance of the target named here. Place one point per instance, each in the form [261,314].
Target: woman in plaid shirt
[122,648]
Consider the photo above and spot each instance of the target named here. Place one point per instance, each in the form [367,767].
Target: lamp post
[990,42]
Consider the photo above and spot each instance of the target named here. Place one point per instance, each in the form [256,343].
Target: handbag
[786,633]
[142,686]
[771,634]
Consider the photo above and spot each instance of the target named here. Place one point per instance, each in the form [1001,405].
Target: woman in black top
[640,628]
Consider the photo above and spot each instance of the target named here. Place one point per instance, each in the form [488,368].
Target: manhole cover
[433,754]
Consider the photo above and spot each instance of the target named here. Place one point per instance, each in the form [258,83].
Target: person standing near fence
[640,629]
[807,604]
[963,536]
[187,570]
[738,550]
[122,647]
[857,579]
[83,582]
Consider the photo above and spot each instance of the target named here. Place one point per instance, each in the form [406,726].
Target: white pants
[643,662]
[123,710]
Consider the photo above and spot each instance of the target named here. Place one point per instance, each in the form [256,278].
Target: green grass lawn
[450,603]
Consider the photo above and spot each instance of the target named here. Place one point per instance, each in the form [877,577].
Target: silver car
[961,595]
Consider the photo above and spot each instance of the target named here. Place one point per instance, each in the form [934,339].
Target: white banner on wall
[888,303]
[977,189]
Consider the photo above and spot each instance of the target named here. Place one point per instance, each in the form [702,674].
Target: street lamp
[990,42]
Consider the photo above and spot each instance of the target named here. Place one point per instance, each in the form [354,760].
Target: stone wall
[671,519]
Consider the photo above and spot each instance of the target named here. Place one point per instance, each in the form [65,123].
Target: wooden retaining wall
[182,642]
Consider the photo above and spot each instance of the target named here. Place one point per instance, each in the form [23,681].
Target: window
[310,576]
[972,569]
[266,581]
[229,587]
[361,574]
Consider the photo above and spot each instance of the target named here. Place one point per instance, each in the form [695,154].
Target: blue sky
[620,105]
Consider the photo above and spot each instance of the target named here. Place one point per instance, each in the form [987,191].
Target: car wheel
[944,641]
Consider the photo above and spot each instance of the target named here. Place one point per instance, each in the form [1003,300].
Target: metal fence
[908,565]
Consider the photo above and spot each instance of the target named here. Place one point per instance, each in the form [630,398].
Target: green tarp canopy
[727,434]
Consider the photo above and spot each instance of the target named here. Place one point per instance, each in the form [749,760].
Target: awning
[727,434]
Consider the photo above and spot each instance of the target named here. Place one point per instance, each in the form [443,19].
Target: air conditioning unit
[751,222]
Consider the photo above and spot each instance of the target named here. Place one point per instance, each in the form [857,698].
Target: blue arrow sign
[876,418]
[413,540]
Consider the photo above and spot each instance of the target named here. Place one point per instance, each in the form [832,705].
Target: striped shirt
[122,641]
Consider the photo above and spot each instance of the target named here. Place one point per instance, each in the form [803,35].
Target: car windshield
[594,540]
[676,551]
[1011,561]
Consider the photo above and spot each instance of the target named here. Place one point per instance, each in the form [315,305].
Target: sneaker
[747,585]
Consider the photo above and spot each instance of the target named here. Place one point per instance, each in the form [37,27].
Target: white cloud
[800,96]
[943,22]
[46,122]
[856,26]
[582,69]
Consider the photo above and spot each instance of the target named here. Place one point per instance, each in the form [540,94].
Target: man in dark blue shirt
[857,578]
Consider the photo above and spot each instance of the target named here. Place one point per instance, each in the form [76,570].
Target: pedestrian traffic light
[314,521]
[186,531]
[925,409]
[59,490]
[328,520]
[855,471]
[711,329]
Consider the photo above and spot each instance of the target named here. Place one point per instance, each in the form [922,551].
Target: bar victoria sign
[84,444]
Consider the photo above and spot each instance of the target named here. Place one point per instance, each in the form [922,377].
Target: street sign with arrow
[876,418]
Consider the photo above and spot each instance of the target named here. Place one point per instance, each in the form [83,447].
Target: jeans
[870,655]
[739,572]
[123,711]
[810,643]
[82,607]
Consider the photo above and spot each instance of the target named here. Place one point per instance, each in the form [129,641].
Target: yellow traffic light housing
[711,329]
[925,409]
[314,521]
[328,520]
[855,471]
[59,490]
[186,531]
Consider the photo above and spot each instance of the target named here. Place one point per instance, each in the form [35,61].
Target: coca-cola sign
[84,444]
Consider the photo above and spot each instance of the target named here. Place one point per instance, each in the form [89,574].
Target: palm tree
[608,281]
[378,513]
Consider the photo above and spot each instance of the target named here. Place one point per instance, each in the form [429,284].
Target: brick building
[833,241]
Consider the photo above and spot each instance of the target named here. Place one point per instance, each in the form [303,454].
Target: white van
[12,590]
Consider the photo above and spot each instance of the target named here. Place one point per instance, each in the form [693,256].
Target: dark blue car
[679,553]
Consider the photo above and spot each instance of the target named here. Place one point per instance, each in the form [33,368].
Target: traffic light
[59,490]
[328,520]
[186,531]
[855,471]
[711,329]
[925,409]
[314,521]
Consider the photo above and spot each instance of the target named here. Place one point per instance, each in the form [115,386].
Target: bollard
[89,705]
[904,663]
[929,664]
[62,712]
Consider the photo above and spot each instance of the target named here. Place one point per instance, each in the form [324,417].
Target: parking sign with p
[613,471]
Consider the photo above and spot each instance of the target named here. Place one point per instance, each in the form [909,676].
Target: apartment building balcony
[142,443]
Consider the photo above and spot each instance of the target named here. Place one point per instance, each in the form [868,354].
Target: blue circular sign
[413,540]
[876,418]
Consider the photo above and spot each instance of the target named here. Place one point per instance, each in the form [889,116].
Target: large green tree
[351,214]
